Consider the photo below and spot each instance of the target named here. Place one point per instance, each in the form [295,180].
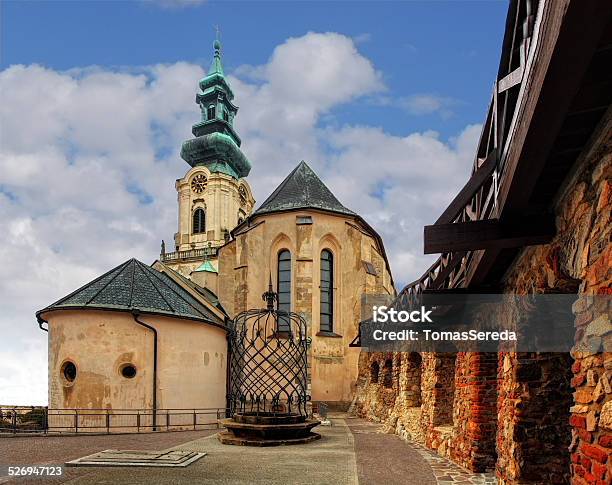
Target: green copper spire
[216,66]
[216,144]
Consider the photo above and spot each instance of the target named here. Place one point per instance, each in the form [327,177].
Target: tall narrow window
[210,113]
[284,288]
[226,115]
[327,291]
[199,221]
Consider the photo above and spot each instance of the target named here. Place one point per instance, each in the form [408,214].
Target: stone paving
[352,451]
[445,472]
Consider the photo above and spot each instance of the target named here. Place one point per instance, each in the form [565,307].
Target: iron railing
[41,420]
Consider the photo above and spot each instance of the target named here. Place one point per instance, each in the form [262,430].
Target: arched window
[210,112]
[284,288]
[199,221]
[327,291]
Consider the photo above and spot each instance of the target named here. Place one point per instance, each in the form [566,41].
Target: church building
[154,337]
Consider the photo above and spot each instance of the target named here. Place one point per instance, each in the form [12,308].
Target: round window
[69,371]
[128,371]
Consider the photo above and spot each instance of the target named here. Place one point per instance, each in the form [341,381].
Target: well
[268,377]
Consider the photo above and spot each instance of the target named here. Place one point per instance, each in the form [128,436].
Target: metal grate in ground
[173,458]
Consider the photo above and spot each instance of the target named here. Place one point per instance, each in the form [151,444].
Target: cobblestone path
[441,470]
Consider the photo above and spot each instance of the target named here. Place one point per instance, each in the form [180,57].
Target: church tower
[213,196]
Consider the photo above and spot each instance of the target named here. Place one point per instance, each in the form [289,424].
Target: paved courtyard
[351,451]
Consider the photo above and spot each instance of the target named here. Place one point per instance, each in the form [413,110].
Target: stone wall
[537,418]
[475,411]
[537,421]
[533,418]
[377,399]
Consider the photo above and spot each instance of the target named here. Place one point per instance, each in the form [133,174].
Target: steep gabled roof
[302,189]
[134,286]
[206,294]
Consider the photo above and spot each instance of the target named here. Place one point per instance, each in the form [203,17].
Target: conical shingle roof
[302,189]
[135,286]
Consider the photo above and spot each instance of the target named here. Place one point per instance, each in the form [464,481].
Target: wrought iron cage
[268,367]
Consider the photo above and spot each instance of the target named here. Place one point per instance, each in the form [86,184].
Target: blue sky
[384,100]
[447,48]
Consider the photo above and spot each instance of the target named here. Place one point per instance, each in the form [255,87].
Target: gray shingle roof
[302,189]
[206,293]
[134,285]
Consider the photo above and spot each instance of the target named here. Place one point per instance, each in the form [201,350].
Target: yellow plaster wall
[222,202]
[191,362]
[246,263]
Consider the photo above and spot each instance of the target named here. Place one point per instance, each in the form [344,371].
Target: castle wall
[532,417]
[245,266]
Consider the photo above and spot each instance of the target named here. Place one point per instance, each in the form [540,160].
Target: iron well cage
[268,368]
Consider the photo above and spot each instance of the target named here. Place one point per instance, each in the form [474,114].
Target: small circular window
[128,371]
[69,371]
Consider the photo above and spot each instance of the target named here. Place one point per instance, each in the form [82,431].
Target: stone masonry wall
[475,411]
[539,417]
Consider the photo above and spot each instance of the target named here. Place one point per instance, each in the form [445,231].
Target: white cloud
[423,104]
[87,171]
[362,38]
[399,184]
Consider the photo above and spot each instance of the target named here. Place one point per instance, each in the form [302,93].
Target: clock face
[198,184]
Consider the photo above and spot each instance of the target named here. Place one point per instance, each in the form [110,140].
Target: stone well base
[267,430]
[228,438]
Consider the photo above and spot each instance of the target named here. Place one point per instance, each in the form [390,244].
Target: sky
[384,100]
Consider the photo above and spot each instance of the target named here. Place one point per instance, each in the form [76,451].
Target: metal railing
[190,254]
[41,420]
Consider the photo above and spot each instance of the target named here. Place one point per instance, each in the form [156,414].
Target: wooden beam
[512,79]
[468,191]
[564,41]
[488,234]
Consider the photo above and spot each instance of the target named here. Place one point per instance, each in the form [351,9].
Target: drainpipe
[40,323]
[135,314]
